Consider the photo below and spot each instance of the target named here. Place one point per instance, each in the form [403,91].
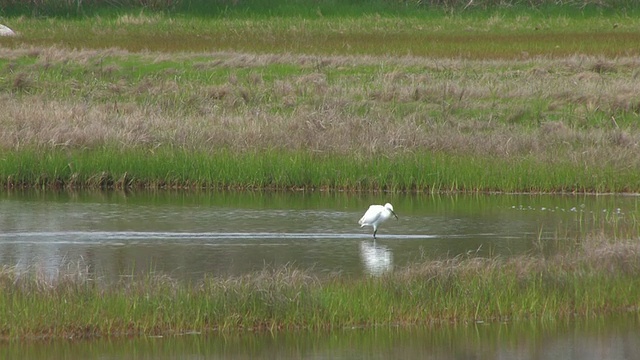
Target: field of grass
[349,122]
[591,278]
[490,34]
[306,8]
[493,98]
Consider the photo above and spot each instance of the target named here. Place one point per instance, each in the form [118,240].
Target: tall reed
[170,168]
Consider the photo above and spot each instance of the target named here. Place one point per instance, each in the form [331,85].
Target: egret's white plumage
[376,215]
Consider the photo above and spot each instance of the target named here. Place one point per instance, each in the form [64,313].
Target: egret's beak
[394,214]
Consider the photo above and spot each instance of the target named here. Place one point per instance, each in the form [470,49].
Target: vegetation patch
[266,8]
[462,96]
[111,118]
[168,168]
[591,278]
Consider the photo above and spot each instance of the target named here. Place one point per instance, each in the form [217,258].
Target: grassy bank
[167,168]
[592,278]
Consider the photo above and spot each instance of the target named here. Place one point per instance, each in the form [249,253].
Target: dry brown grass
[596,253]
[582,108]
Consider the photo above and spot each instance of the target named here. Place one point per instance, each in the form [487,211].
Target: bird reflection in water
[377,259]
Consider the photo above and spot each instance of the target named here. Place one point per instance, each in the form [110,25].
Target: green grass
[175,168]
[474,36]
[588,279]
[482,101]
[306,8]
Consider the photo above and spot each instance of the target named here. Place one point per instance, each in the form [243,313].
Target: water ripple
[88,236]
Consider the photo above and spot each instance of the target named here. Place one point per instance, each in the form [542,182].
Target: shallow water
[611,339]
[188,235]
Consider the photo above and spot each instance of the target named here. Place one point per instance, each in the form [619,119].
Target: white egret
[5,31]
[376,215]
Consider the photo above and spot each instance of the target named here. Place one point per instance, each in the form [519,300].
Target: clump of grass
[593,278]
[21,83]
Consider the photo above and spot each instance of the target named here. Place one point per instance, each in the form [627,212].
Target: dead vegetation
[581,108]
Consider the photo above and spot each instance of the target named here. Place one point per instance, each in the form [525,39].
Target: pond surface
[189,234]
[593,339]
